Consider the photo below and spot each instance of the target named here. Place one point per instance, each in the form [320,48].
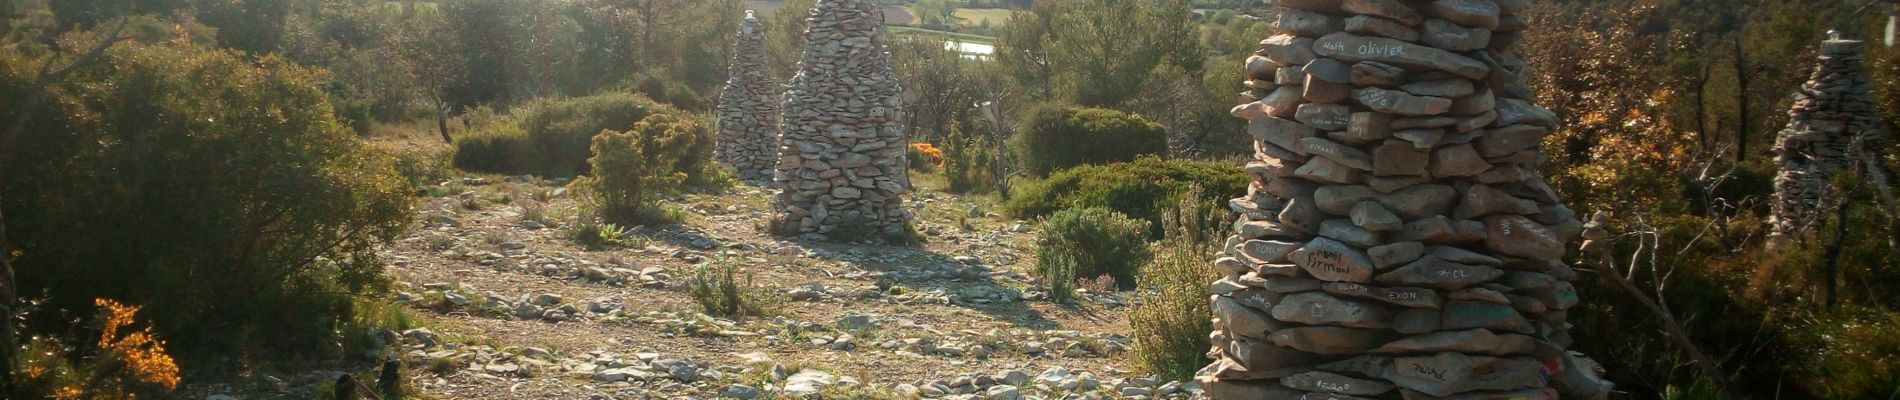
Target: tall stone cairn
[842,163]
[748,108]
[1398,241]
[1831,126]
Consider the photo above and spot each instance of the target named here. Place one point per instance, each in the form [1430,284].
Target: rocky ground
[514,309]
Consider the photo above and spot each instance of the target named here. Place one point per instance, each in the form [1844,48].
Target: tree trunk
[442,122]
[1741,103]
[1831,270]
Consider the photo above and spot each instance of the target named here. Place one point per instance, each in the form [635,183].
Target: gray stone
[1422,139]
[1322,169]
[1329,70]
[1395,254]
[1446,88]
[1267,251]
[1420,201]
[1422,122]
[1340,199]
[1469,314]
[1474,13]
[1514,111]
[1339,153]
[1374,217]
[1399,158]
[1326,117]
[1279,132]
[1389,9]
[1301,214]
[1261,355]
[1328,340]
[1292,75]
[1384,184]
[1307,23]
[1334,261]
[1288,50]
[1327,382]
[1413,321]
[1439,274]
[1321,91]
[1372,73]
[1398,296]
[1314,308]
[1367,127]
[1470,341]
[1515,235]
[1401,103]
[1462,256]
[1381,27]
[1320,6]
[1344,230]
[1354,48]
[1457,161]
[1452,36]
[1448,374]
[1481,200]
[1499,142]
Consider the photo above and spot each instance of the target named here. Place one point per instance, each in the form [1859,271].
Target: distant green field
[974,16]
[967,38]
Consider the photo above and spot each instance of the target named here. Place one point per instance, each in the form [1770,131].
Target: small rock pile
[748,108]
[1398,240]
[1831,126]
[842,164]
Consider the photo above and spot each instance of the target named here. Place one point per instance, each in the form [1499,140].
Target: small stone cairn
[748,108]
[842,164]
[1398,241]
[1831,126]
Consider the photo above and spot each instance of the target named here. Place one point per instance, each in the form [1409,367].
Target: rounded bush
[1057,137]
[1141,189]
[1090,242]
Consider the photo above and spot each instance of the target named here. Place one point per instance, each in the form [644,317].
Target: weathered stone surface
[1413,321]
[1448,373]
[1302,215]
[1354,48]
[1288,50]
[843,146]
[1321,116]
[1515,235]
[1503,141]
[1313,308]
[1420,201]
[1401,103]
[1452,36]
[1445,88]
[1388,9]
[1462,256]
[1392,255]
[1468,314]
[1376,74]
[1321,91]
[1345,231]
[1399,158]
[1471,341]
[1434,273]
[1381,27]
[1374,217]
[1339,199]
[1481,200]
[1367,127]
[1244,321]
[748,111]
[1244,389]
[1398,296]
[1326,382]
[1474,13]
[1328,340]
[1321,169]
[1514,111]
[1422,139]
[1268,251]
[1307,23]
[1458,161]
[1339,153]
[1334,261]
[1279,132]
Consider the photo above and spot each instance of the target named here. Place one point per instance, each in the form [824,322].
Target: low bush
[165,164]
[1169,319]
[969,162]
[1140,189]
[1054,137]
[639,167]
[550,137]
[924,157]
[717,289]
[1088,243]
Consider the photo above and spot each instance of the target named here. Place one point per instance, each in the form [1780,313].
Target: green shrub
[969,162]
[550,137]
[1140,189]
[1170,322]
[1087,243]
[1055,137]
[218,191]
[719,292]
[639,167]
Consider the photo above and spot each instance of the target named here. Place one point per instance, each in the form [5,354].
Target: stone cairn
[842,164]
[1398,241]
[748,108]
[1831,126]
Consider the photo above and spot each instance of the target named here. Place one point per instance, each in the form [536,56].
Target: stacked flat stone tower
[1398,241]
[842,164]
[748,108]
[1831,126]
